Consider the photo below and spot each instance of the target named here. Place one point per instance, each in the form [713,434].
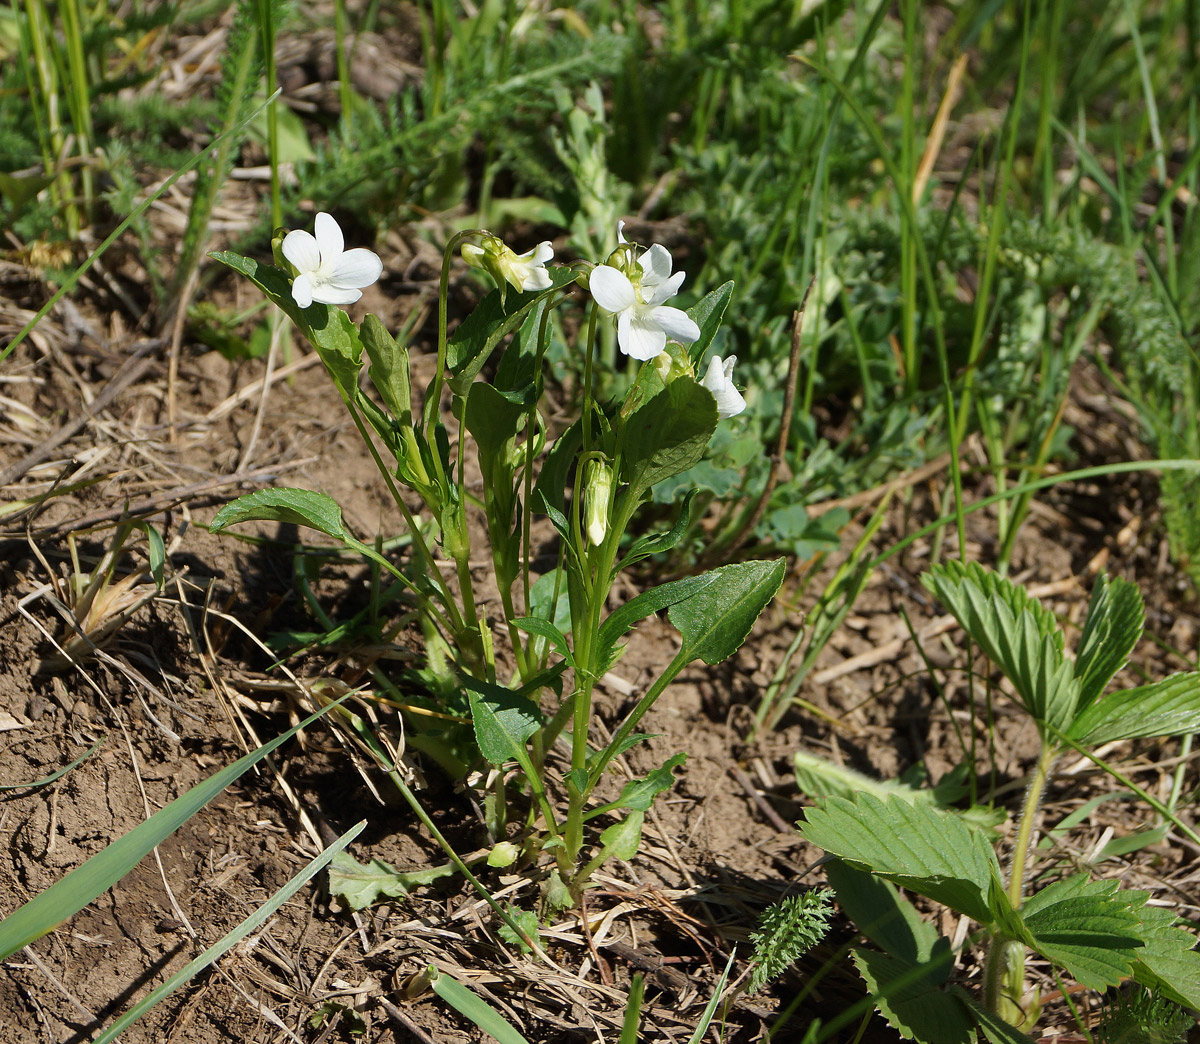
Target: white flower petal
[302,291]
[355,268]
[718,379]
[536,278]
[639,337]
[656,265]
[612,289]
[663,291]
[335,295]
[729,402]
[301,250]
[676,323]
[621,232]
[329,239]
[540,254]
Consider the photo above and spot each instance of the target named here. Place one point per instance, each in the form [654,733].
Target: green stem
[1025,830]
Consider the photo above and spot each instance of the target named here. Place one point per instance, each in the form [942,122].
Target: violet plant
[525,684]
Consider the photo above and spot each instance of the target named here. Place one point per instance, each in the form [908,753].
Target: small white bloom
[325,271]
[522,272]
[718,379]
[644,321]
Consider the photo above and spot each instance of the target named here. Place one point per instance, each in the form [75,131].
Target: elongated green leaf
[1087,927]
[659,542]
[1110,631]
[907,995]
[493,417]
[667,435]
[715,621]
[707,314]
[549,489]
[389,368]
[297,507]
[327,327]
[639,794]
[478,335]
[1017,634]
[57,774]
[214,952]
[473,1007]
[504,720]
[1170,707]
[1169,962]
[923,849]
[636,609]
[536,625]
[66,897]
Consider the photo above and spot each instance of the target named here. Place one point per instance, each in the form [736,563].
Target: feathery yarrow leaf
[786,931]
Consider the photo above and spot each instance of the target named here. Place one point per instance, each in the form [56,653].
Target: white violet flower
[644,321]
[718,379]
[522,272]
[326,272]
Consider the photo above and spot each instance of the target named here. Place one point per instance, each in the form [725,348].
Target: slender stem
[1025,830]
[435,392]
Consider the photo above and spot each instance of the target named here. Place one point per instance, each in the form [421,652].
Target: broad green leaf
[621,840]
[1170,707]
[327,327]
[1086,927]
[1169,962]
[493,418]
[548,491]
[471,1006]
[503,719]
[389,368]
[637,609]
[875,906]
[360,884]
[478,335]
[66,897]
[707,314]
[715,621]
[659,542]
[297,507]
[666,435]
[251,924]
[1110,631]
[639,794]
[1018,635]
[907,995]
[923,849]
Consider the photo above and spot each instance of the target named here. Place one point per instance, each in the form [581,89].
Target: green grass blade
[60,773]
[471,1006]
[47,910]
[218,949]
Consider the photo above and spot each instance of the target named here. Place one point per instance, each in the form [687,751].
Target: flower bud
[597,497]
[522,272]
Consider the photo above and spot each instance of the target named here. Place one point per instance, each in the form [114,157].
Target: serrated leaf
[636,609]
[297,507]
[360,884]
[327,327]
[1111,629]
[1170,707]
[639,794]
[503,720]
[1169,962]
[923,849]
[707,314]
[1086,927]
[908,997]
[715,621]
[667,435]
[888,921]
[1018,635]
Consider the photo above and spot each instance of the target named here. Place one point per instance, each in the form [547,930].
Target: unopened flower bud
[597,495]
[522,272]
